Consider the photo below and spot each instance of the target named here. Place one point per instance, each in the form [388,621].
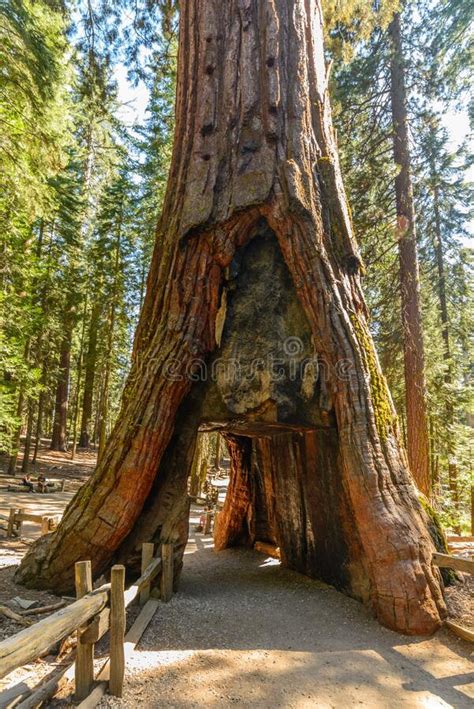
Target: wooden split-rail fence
[456,563]
[97,611]
[93,613]
[13,523]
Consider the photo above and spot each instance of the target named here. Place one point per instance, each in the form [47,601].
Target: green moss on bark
[439,538]
[383,410]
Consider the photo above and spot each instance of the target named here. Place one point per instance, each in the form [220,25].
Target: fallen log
[44,609]
[4,610]
[46,690]
[11,696]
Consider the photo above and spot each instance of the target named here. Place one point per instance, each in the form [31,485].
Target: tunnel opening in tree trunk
[266,389]
[254,321]
[285,490]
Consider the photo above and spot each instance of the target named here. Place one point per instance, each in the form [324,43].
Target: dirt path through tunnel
[244,632]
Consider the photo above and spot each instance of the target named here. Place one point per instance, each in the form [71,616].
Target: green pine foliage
[81,194]
[435,34]
[35,118]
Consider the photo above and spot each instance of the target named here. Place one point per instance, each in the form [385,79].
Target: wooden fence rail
[32,642]
[16,517]
[457,563]
[95,612]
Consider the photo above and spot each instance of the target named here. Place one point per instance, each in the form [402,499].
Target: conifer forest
[87,111]
[236,353]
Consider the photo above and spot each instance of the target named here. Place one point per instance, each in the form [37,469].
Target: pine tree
[34,113]
[436,33]
[412,326]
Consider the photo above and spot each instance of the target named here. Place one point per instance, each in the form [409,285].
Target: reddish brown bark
[254,163]
[414,355]
[288,493]
[234,527]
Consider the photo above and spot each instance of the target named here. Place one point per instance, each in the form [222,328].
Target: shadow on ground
[242,631]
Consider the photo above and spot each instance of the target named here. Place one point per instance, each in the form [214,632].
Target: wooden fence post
[167,571]
[20,523]
[207,524]
[117,630]
[84,671]
[11,522]
[148,549]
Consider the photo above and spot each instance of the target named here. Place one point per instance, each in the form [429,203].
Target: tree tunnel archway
[255,196]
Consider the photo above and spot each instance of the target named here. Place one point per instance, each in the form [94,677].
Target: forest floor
[243,631]
[56,467]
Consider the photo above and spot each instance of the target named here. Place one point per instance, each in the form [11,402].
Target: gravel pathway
[244,632]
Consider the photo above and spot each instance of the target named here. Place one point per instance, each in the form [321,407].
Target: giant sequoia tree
[256,273]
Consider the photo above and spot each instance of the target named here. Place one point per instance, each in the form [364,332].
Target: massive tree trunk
[413,347]
[255,256]
[77,393]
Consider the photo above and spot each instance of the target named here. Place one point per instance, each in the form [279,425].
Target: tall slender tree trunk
[217,459]
[199,465]
[89,381]
[414,357]
[40,409]
[19,412]
[472,508]
[39,427]
[104,404]
[448,375]
[59,437]
[80,356]
[443,301]
[255,172]
[25,465]
[17,434]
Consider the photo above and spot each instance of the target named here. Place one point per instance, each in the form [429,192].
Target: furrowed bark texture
[418,447]
[237,523]
[255,203]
